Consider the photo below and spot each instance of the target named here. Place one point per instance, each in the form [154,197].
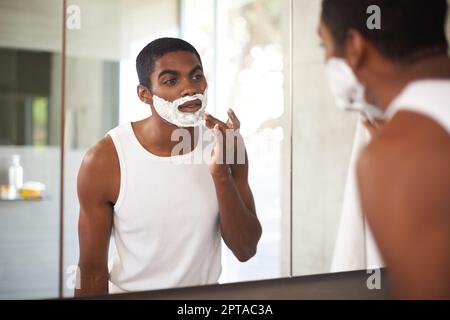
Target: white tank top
[166,219]
[427,97]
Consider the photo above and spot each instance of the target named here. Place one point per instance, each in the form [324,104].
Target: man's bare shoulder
[101,156]
[409,158]
[100,170]
[409,140]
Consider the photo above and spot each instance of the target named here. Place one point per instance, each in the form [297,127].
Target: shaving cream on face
[169,110]
[348,91]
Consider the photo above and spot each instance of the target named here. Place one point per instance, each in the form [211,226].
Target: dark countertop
[345,285]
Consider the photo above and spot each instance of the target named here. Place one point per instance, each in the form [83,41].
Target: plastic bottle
[15,176]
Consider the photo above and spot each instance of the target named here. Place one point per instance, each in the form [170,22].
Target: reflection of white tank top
[166,219]
[355,247]
[427,97]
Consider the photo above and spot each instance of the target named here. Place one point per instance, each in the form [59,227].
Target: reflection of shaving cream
[169,110]
[348,91]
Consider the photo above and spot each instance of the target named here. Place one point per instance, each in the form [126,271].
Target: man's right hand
[373,126]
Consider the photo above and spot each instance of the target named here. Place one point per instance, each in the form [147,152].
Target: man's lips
[191,106]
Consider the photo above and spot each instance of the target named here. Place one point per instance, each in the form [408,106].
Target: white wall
[31,24]
[107,26]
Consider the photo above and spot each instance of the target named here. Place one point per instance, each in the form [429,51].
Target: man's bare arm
[239,224]
[96,182]
[404,179]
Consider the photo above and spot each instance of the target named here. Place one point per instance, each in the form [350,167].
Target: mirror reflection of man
[167,216]
[404,173]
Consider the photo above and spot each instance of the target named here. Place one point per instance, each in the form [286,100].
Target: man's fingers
[211,121]
[373,126]
[236,124]
[218,134]
[216,130]
[218,144]
[208,123]
[230,124]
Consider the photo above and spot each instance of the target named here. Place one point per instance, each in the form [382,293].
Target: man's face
[354,52]
[178,74]
[328,43]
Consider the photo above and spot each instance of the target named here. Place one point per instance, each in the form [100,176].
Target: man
[167,213]
[404,172]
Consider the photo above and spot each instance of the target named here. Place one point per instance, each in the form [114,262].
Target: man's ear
[144,94]
[355,49]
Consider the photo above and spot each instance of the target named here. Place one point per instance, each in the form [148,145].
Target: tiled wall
[29,230]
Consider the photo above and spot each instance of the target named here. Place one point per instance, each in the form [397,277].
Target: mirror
[244,47]
[322,138]
[30,104]
[261,57]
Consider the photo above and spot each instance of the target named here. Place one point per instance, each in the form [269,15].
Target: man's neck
[393,78]
[158,135]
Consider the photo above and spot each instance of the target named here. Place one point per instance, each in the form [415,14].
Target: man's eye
[170,82]
[198,77]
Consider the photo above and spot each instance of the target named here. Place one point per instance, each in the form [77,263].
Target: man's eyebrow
[168,71]
[196,68]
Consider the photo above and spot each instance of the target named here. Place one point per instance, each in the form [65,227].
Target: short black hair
[145,61]
[410,29]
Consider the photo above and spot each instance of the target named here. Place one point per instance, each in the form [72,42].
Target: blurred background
[261,57]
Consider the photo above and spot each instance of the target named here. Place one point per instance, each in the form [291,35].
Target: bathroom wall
[29,230]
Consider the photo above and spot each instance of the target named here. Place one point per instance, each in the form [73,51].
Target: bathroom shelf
[25,199]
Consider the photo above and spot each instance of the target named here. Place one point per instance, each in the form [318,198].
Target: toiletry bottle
[15,176]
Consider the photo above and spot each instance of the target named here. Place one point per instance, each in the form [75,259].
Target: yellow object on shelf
[32,190]
[30,194]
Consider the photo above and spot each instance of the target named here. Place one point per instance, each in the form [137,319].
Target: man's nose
[189,89]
